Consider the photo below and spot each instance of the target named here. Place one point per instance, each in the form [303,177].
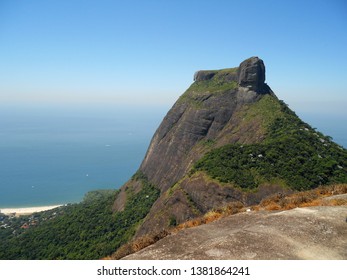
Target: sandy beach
[27,210]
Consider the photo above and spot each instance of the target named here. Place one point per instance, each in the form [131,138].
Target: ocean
[54,155]
[333,125]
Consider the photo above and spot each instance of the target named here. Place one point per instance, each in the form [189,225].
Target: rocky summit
[202,112]
[251,74]
[227,139]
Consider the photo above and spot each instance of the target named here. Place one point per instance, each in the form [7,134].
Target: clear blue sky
[146,52]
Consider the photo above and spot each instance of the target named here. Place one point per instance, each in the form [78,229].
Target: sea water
[54,155]
[333,125]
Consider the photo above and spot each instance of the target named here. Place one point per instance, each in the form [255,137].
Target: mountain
[227,143]
[228,139]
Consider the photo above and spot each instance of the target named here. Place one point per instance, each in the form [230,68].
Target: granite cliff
[229,139]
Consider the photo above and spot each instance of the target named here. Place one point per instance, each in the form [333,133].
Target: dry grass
[305,199]
[213,215]
[278,201]
[271,206]
[137,245]
[336,202]
[188,224]
[147,240]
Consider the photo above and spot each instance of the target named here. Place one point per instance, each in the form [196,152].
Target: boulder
[204,75]
[251,74]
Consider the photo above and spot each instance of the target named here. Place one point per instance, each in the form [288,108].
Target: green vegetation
[87,230]
[292,154]
[200,90]
[221,81]
[267,110]
[213,85]
[207,143]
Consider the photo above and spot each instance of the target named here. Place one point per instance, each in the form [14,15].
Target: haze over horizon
[145,53]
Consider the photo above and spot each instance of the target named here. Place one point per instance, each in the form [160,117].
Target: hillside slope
[229,138]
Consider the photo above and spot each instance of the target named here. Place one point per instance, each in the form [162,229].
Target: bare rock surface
[252,74]
[301,233]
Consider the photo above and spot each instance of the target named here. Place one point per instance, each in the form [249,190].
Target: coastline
[27,210]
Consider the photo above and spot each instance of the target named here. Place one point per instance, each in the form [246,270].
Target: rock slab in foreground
[301,233]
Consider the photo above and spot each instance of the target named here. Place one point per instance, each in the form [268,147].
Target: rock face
[183,127]
[195,117]
[204,75]
[251,74]
[314,233]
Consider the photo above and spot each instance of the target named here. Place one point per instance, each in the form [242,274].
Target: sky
[146,52]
